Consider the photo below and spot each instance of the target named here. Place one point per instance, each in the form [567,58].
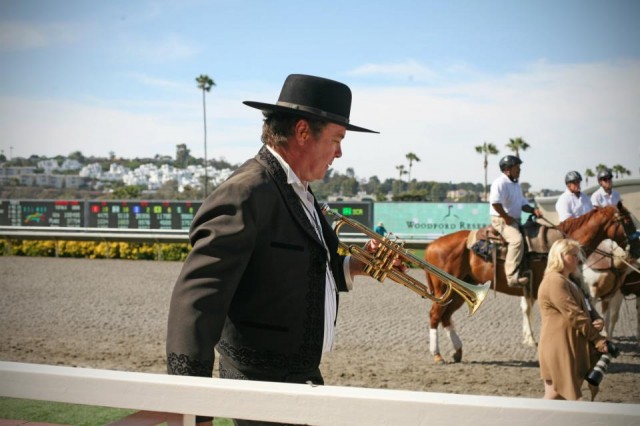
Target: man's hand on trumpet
[357,266]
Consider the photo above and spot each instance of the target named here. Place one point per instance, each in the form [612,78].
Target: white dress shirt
[602,199]
[571,206]
[307,201]
[508,193]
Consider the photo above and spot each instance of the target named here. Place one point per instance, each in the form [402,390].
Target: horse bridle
[619,220]
[631,234]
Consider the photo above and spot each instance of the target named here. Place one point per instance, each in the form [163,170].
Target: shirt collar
[292,178]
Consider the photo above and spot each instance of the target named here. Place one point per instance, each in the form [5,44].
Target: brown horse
[450,253]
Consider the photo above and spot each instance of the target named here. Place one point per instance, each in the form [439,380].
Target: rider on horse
[605,195]
[572,202]
[507,203]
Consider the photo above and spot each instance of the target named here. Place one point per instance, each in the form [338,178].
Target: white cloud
[573,116]
[162,83]
[169,48]
[54,127]
[20,35]
[409,70]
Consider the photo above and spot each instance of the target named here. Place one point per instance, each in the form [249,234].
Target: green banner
[419,219]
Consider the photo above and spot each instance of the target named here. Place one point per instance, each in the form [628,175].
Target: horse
[610,275]
[630,288]
[451,254]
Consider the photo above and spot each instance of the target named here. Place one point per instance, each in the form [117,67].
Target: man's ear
[302,131]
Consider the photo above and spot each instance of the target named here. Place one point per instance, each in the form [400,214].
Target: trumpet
[379,265]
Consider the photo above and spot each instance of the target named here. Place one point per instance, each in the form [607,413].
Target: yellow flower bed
[96,250]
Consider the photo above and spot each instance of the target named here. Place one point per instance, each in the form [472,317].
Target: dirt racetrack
[111,314]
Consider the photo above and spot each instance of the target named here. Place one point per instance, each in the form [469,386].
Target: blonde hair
[555,262]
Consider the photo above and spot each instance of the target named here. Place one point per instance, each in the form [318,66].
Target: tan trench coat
[567,339]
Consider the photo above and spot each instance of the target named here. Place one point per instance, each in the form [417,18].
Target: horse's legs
[435,316]
[526,303]
[605,311]
[441,314]
[455,341]
[434,346]
[449,327]
[613,312]
[638,319]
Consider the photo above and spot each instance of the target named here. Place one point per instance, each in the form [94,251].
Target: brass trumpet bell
[379,264]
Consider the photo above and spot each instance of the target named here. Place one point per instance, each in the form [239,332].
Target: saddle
[484,240]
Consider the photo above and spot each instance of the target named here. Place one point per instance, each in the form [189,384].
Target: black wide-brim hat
[313,97]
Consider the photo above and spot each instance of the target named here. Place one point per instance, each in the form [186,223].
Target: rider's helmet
[509,161]
[573,176]
[605,174]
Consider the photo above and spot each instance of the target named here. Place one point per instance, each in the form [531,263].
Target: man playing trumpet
[261,283]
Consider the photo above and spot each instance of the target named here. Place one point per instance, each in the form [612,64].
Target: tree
[620,170]
[127,192]
[411,157]
[205,83]
[350,172]
[77,155]
[438,192]
[372,185]
[601,168]
[349,187]
[516,145]
[182,156]
[587,174]
[486,149]
[401,171]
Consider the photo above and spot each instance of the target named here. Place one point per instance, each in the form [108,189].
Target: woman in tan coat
[570,329]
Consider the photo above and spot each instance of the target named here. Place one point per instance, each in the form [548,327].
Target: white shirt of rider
[570,206]
[508,193]
[602,199]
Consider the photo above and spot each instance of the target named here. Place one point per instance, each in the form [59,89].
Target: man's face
[606,183]
[513,172]
[321,151]
[574,187]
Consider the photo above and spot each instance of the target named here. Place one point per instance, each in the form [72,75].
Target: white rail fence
[187,397]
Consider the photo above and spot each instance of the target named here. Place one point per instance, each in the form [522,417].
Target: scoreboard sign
[141,214]
[358,211]
[134,214]
[98,214]
[42,213]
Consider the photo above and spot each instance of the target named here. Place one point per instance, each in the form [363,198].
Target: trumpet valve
[381,262]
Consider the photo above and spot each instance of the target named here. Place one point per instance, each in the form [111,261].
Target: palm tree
[401,171]
[587,174]
[620,170]
[601,168]
[205,83]
[486,149]
[516,145]
[411,157]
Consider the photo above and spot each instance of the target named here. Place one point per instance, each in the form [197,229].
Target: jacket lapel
[290,197]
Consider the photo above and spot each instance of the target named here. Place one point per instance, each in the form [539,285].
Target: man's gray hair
[278,127]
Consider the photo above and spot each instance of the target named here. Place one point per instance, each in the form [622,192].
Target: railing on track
[185,397]
[155,235]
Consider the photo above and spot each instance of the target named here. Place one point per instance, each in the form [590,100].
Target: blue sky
[436,78]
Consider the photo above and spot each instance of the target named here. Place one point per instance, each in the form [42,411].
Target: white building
[93,170]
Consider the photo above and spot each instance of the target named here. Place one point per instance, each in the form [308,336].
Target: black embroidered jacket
[254,283]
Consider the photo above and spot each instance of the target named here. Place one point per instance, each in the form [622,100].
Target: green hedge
[96,250]
[104,250]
